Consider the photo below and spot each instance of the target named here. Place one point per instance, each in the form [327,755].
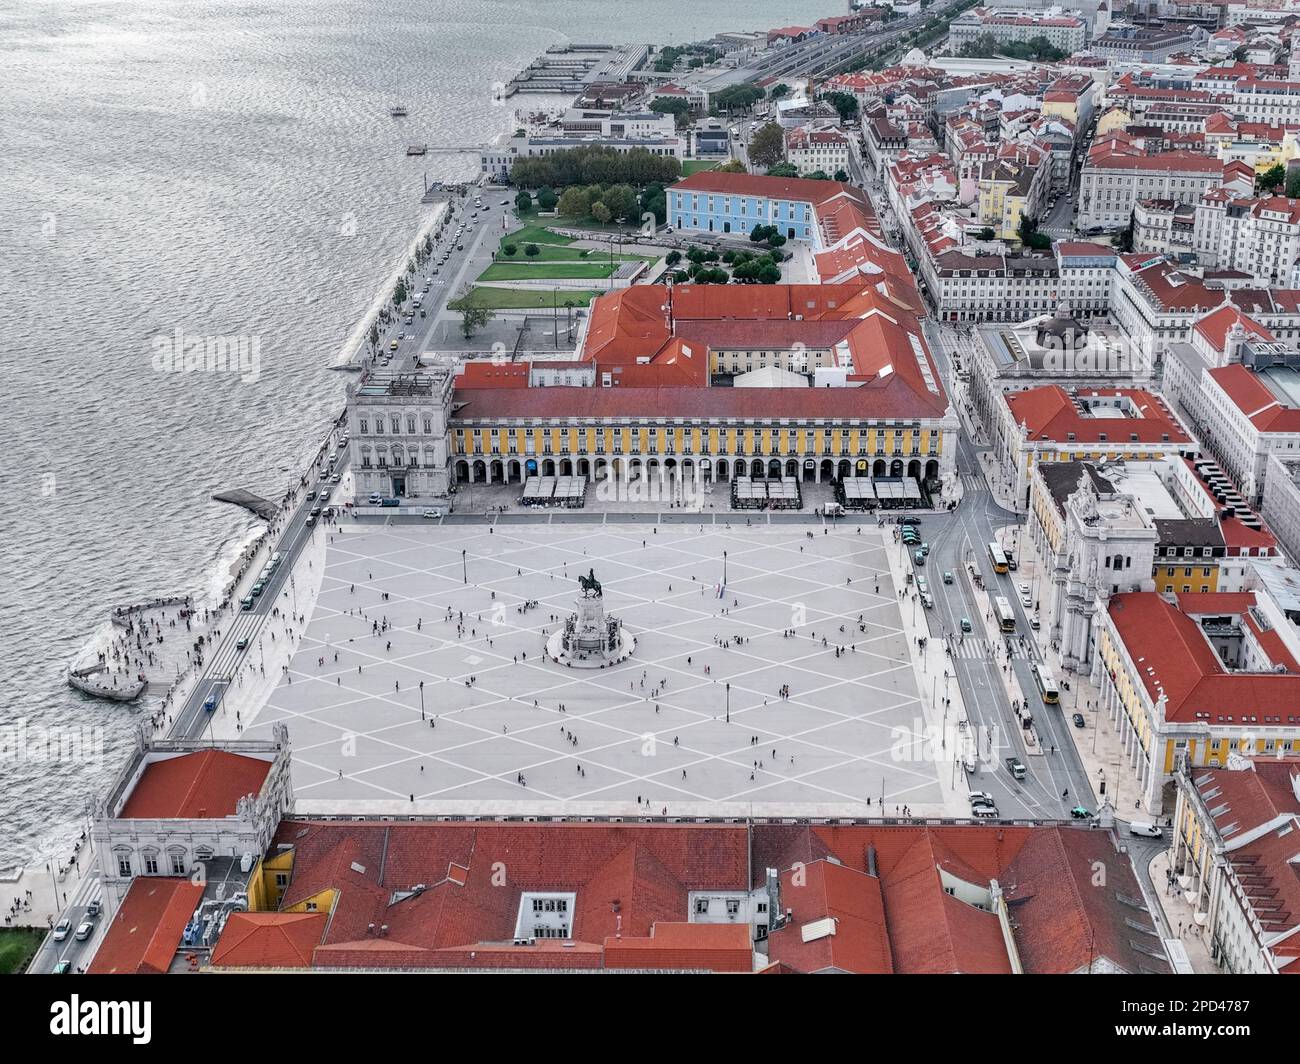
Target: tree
[601,212]
[841,174]
[1029,235]
[622,202]
[843,102]
[983,234]
[779,91]
[1293,184]
[737,97]
[575,203]
[819,175]
[679,109]
[1271,178]
[509,249]
[655,201]
[775,240]
[784,170]
[546,198]
[673,258]
[472,316]
[769,274]
[767,146]
[532,250]
[735,166]
[523,201]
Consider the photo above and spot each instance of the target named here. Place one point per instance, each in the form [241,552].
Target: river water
[222,169]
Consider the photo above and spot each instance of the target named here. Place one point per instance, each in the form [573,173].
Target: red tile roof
[1215,326]
[1253,398]
[1175,659]
[626,879]
[269,940]
[207,784]
[685,946]
[1050,413]
[1064,920]
[859,941]
[146,929]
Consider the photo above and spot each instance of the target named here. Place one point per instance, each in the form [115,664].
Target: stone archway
[932,469]
[914,468]
[462,472]
[878,468]
[896,467]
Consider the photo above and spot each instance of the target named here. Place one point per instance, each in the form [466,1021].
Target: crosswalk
[972,482]
[975,649]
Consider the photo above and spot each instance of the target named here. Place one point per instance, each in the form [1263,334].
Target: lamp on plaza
[422,700]
[464,566]
[728,703]
[724,571]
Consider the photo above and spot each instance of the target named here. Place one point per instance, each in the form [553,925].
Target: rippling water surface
[221,169]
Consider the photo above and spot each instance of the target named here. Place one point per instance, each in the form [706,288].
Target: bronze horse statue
[589,584]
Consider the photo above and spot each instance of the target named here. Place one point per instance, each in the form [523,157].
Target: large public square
[694,723]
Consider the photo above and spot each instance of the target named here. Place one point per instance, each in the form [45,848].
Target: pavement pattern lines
[367,734]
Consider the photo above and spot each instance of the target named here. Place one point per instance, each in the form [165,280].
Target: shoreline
[349,354]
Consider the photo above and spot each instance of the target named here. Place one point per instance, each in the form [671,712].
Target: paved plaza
[646,735]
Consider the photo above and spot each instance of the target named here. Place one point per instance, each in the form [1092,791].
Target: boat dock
[568,68]
[249,501]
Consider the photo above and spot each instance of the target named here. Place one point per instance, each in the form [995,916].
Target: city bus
[1006,619]
[1046,684]
[998,557]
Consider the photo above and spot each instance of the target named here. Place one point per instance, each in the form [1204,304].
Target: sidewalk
[1180,916]
[949,722]
[1098,743]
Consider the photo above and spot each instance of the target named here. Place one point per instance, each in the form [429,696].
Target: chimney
[871,859]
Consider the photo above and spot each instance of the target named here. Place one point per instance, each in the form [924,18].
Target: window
[701,906]
[733,907]
[178,864]
[124,866]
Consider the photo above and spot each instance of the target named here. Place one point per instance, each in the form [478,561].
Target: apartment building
[1112,183]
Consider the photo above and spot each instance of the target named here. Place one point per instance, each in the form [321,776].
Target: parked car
[62,929]
[432,511]
[1035,623]
[925,549]
[927,600]
[1079,722]
[1146,829]
[910,522]
[1081,812]
[84,930]
[246,603]
[980,798]
[919,558]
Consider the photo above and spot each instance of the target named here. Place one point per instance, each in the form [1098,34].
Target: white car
[980,798]
[1024,589]
[1146,829]
[61,930]
[84,930]
[432,512]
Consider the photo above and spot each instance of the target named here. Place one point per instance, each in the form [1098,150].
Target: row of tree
[595,166]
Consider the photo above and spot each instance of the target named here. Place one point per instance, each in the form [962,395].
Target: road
[278,591]
[957,540]
[76,954]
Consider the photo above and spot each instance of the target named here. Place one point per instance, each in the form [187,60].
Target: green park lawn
[523,271]
[537,234]
[531,298]
[17,947]
[559,253]
[694,166]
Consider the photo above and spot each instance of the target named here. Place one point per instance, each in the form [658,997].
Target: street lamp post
[724,574]
[464,566]
[728,703]
[422,700]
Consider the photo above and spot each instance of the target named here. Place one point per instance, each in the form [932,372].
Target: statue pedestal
[590,639]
